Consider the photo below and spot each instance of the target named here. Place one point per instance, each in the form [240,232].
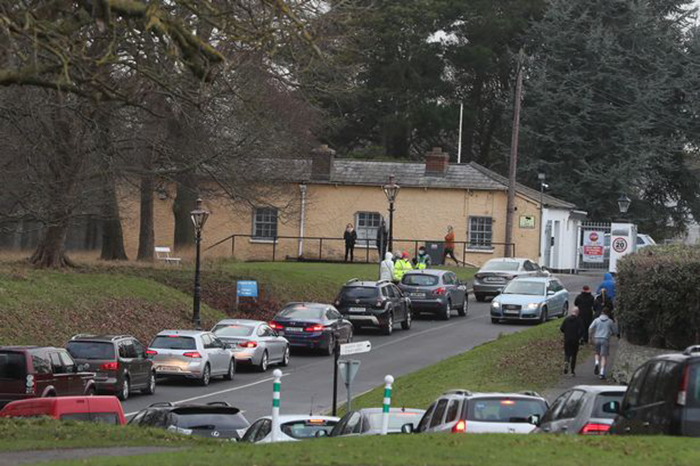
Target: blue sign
[247,288]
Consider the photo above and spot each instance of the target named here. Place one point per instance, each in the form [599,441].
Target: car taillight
[440,291]
[683,390]
[248,344]
[109,366]
[593,428]
[150,352]
[460,427]
[276,325]
[192,354]
[314,328]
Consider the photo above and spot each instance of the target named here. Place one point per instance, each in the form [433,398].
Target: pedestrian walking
[602,301]
[422,261]
[350,238]
[585,302]
[449,246]
[572,328]
[386,268]
[601,330]
[382,238]
[401,266]
[608,284]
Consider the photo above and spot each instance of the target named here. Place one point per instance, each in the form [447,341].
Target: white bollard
[388,380]
[277,374]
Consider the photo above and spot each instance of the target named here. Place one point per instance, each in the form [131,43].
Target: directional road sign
[247,289]
[355,348]
[348,369]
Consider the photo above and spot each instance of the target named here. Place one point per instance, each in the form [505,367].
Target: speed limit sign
[619,245]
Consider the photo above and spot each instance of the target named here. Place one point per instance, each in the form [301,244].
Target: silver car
[531,299]
[253,342]
[368,421]
[494,275]
[292,428]
[192,354]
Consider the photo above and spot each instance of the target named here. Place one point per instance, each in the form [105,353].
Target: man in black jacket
[572,328]
[585,302]
[350,238]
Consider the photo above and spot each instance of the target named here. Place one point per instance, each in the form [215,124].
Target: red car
[36,372]
[105,409]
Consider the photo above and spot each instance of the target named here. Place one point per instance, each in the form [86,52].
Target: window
[572,406]
[367,226]
[632,396]
[127,350]
[423,424]
[138,347]
[174,342]
[528,266]
[439,413]
[90,349]
[56,365]
[265,223]
[207,342]
[553,410]
[67,361]
[452,411]
[13,366]
[647,395]
[480,232]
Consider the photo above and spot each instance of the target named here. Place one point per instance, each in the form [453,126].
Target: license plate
[356,309]
[511,311]
[417,295]
[166,368]
[493,279]
[293,329]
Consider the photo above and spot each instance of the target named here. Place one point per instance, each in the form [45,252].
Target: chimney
[436,162]
[322,163]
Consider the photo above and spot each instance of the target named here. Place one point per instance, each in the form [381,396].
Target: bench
[163,254]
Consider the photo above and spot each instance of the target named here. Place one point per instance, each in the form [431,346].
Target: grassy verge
[435,450]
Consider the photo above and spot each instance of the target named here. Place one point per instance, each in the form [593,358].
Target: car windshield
[396,420]
[501,266]
[174,342]
[525,287]
[90,350]
[307,428]
[604,398]
[209,420]
[12,366]
[302,313]
[359,292]
[233,330]
[504,410]
[420,279]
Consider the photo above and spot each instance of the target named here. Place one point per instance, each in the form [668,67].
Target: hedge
[658,296]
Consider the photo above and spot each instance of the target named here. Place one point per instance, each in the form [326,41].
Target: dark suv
[32,372]
[213,420]
[374,304]
[119,362]
[663,397]
[435,291]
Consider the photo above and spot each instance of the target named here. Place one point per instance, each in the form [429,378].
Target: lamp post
[199,218]
[542,177]
[623,203]
[391,190]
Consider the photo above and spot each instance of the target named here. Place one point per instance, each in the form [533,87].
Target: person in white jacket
[386,268]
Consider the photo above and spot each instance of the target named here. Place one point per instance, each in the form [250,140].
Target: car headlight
[495,304]
[533,305]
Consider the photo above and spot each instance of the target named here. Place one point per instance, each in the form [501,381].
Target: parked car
[293,427]
[35,372]
[495,274]
[663,397]
[313,326]
[106,409]
[253,342]
[461,411]
[534,299]
[582,410]
[436,292]
[368,421]
[120,363]
[217,420]
[191,354]
[375,304]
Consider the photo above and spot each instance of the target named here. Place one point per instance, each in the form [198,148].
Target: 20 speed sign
[619,245]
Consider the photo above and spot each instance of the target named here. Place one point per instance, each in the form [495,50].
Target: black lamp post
[624,204]
[391,190]
[199,218]
[541,176]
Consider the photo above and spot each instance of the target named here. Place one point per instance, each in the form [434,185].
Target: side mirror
[407,428]
[321,433]
[534,420]
[611,407]
[550,292]
[82,367]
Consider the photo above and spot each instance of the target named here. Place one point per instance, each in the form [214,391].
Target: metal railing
[316,248]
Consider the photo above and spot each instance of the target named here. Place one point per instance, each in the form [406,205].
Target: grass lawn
[434,450]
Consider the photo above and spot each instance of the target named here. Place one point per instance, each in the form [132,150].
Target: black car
[436,292]
[374,304]
[312,325]
[663,397]
[118,361]
[213,420]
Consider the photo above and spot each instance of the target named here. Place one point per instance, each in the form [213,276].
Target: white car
[461,411]
[293,427]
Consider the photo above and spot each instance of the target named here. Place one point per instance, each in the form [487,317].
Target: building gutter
[302,218]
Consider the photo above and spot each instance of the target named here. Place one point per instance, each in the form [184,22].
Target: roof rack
[83,335]
[119,337]
[458,391]
[160,404]
[384,281]
[691,349]
[531,393]
[352,280]
[218,403]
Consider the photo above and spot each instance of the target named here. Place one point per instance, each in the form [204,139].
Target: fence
[586,229]
[329,249]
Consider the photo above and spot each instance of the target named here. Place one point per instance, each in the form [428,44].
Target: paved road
[307,381]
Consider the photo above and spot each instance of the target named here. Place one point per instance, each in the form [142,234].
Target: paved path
[40,456]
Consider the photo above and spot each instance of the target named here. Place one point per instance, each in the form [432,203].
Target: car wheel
[264,361]
[206,376]
[480,297]
[465,306]
[543,315]
[285,358]
[447,312]
[388,327]
[494,320]
[406,324]
[331,345]
[125,389]
[151,388]
[565,310]
[231,370]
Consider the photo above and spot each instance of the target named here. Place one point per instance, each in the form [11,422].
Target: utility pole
[510,212]
[461,124]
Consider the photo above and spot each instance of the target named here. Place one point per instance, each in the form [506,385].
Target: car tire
[495,320]
[206,376]
[350,336]
[331,345]
[151,387]
[480,297]
[231,370]
[408,321]
[125,389]
[388,327]
[447,312]
[285,358]
[462,311]
[544,315]
[565,310]
[264,362]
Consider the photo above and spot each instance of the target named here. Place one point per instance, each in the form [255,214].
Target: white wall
[565,239]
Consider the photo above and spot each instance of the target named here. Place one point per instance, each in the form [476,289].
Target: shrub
[658,296]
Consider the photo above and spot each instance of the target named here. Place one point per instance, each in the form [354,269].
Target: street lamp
[391,190]
[624,204]
[541,176]
[199,218]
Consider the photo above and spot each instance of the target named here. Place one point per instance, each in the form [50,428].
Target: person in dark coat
[382,239]
[585,302]
[350,237]
[572,328]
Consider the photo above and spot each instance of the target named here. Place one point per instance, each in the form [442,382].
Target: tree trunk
[50,252]
[146,232]
[185,202]
[112,233]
